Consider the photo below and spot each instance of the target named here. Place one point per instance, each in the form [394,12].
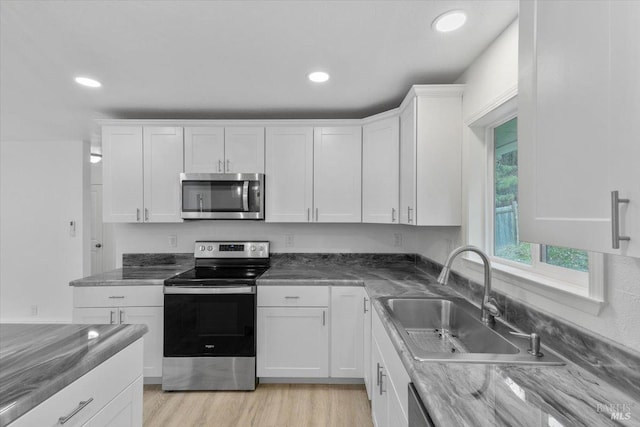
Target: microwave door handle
[245,196]
[200,204]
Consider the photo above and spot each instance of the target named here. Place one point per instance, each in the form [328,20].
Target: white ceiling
[224,59]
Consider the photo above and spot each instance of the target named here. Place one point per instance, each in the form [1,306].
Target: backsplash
[597,354]
[148,260]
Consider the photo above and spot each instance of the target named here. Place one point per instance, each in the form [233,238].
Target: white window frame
[580,290]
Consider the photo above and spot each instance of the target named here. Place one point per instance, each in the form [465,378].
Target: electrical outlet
[34,310]
[397,240]
[289,240]
[173,241]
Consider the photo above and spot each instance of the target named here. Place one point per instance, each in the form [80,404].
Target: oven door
[222,196]
[212,322]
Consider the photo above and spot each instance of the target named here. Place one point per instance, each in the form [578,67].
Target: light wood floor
[277,405]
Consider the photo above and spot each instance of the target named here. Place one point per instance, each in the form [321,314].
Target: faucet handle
[491,305]
[534,342]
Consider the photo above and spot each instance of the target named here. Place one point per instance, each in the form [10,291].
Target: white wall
[491,80]
[43,186]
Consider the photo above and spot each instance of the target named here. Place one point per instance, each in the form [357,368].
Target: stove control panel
[226,249]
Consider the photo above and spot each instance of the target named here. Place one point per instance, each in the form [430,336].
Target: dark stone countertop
[131,276]
[455,394]
[39,360]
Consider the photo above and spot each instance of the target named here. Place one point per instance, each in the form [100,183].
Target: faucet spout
[489,307]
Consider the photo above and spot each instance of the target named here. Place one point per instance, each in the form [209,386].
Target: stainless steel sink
[450,330]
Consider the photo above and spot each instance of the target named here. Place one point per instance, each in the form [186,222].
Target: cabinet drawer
[102,384]
[118,296]
[293,296]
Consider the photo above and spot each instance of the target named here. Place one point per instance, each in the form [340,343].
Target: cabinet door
[624,144]
[289,174]
[122,173]
[125,410]
[244,149]
[408,164]
[337,166]
[563,124]
[163,163]
[292,342]
[153,318]
[347,330]
[204,149]
[439,159]
[368,379]
[379,406]
[380,171]
[93,315]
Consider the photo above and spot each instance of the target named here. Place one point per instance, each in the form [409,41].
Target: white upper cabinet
[337,174]
[431,156]
[244,149]
[204,149]
[289,174]
[141,173]
[408,163]
[122,173]
[380,171]
[163,151]
[217,149]
[579,99]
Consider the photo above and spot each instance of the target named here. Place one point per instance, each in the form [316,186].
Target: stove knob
[209,248]
[202,248]
[261,248]
[253,248]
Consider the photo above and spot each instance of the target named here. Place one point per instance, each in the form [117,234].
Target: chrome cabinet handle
[228,165]
[382,375]
[81,406]
[308,214]
[121,316]
[291,297]
[146,214]
[316,214]
[615,220]
[111,313]
[138,214]
[393,214]
[116,297]
[365,304]
[324,318]
[219,165]
[409,210]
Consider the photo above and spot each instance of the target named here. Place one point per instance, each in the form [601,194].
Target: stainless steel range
[210,318]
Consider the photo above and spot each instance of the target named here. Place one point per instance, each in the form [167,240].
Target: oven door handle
[187,290]
[245,196]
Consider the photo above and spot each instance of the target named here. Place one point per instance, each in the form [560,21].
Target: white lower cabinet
[310,332]
[108,395]
[389,400]
[368,379]
[115,305]
[293,342]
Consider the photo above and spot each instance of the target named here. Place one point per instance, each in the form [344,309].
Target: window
[571,266]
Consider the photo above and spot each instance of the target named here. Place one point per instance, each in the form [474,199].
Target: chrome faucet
[489,307]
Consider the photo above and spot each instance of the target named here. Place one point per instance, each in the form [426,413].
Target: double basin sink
[449,330]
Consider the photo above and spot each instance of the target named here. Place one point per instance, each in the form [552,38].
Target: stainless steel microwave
[222,195]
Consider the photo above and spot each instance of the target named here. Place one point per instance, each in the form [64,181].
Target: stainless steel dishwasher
[418,415]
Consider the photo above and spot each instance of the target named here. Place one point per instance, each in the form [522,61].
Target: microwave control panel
[216,249]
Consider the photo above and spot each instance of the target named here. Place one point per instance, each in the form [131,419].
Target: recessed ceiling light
[86,81]
[318,76]
[450,21]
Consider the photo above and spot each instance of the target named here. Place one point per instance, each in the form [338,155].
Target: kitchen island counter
[39,360]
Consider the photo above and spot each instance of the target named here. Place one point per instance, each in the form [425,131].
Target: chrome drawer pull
[615,220]
[81,406]
[291,297]
[116,297]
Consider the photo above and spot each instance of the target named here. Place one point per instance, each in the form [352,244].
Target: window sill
[532,283]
